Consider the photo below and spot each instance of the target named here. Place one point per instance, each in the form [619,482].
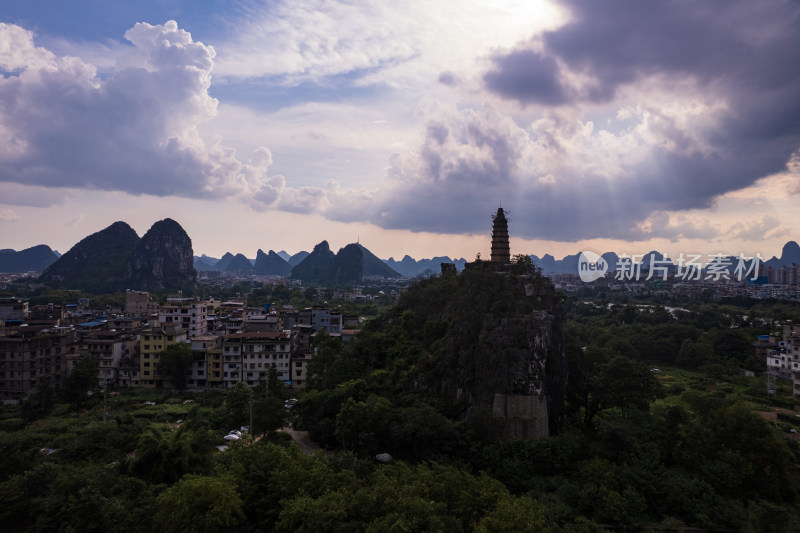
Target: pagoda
[501,253]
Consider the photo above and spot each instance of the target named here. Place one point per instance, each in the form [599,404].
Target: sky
[269,124]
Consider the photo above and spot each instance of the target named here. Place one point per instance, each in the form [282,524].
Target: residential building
[187,313]
[784,360]
[321,317]
[270,323]
[202,347]
[151,343]
[258,351]
[28,357]
[231,361]
[47,316]
[301,355]
[139,303]
[110,347]
[13,309]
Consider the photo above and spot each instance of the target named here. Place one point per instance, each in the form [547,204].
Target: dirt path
[772,414]
[302,440]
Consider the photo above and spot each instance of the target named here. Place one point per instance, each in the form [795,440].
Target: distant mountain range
[412,268]
[569,264]
[789,255]
[271,263]
[116,258]
[36,258]
[276,263]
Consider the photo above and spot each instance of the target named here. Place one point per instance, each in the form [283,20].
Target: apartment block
[151,343]
[321,317]
[28,356]
[187,313]
[784,359]
[203,347]
[110,347]
[13,309]
[139,303]
[257,352]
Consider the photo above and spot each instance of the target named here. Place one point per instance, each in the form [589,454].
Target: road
[302,440]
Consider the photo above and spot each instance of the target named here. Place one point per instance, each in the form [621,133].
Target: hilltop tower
[501,253]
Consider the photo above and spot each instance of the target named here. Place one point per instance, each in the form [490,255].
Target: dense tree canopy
[173,363]
[662,432]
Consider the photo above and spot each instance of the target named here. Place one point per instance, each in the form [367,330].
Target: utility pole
[105,393]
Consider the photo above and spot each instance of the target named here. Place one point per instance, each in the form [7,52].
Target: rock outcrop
[316,266]
[496,345]
[350,265]
[271,264]
[97,263]
[162,259]
[116,259]
[240,263]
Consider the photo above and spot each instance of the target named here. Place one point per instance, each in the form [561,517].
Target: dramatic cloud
[591,121]
[136,131]
[626,111]
[371,42]
[309,40]
[767,226]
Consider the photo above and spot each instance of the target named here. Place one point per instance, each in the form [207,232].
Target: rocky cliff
[351,264]
[162,260]
[316,266]
[496,346]
[271,264]
[97,263]
[116,259]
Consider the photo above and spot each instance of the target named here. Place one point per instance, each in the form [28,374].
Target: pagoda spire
[501,252]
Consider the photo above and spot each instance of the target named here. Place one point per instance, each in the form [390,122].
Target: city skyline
[608,127]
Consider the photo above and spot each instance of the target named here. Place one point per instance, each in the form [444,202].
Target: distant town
[244,336]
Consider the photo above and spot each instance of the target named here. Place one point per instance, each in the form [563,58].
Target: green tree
[695,354]
[41,403]
[81,381]
[361,426]
[326,350]
[523,265]
[606,380]
[173,363]
[268,415]
[237,400]
[515,515]
[199,504]
[274,385]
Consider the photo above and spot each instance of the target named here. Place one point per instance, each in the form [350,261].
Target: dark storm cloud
[526,76]
[694,99]
[749,45]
